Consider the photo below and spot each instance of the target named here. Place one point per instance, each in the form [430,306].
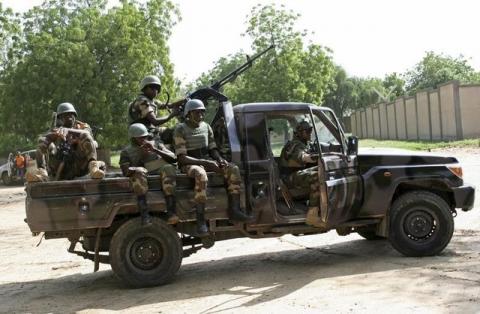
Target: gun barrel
[233,75]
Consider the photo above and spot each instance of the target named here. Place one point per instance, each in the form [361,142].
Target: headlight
[456,170]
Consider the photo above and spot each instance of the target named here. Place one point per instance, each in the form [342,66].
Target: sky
[369,38]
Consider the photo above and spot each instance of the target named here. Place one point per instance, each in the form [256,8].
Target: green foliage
[9,34]
[294,72]
[78,51]
[349,93]
[435,69]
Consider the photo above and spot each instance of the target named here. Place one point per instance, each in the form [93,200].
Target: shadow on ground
[255,278]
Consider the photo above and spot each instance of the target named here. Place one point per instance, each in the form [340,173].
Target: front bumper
[464,197]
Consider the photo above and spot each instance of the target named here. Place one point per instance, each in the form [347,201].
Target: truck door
[340,193]
[258,167]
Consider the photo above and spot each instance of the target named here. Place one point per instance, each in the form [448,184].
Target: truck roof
[272,106]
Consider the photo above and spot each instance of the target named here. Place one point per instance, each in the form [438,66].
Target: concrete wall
[400,118]
[451,112]
[411,118]
[470,110]
[391,124]
[383,121]
[369,121]
[376,122]
[447,112]
[435,119]
[364,123]
[358,119]
[423,115]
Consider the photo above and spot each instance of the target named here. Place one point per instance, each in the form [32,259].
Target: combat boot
[94,169]
[234,211]
[313,218]
[144,213]
[202,229]
[38,175]
[172,217]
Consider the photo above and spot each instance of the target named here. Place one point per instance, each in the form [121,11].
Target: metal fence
[450,112]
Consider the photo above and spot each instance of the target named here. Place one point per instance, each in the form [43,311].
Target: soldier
[68,150]
[144,108]
[298,170]
[197,153]
[144,157]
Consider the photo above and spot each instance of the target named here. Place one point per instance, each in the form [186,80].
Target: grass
[419,145]
[115,159]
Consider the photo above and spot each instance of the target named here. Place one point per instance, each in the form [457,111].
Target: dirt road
[322,273]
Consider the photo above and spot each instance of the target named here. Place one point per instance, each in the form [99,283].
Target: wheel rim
[420,224]
[146,253]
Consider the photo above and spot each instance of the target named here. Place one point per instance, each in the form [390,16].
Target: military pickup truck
[405,197]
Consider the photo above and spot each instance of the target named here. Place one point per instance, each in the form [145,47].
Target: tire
[369,234]
[145,256]
[6,179]
[421,224]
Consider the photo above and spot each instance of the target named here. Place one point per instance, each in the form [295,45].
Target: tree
[435,69]
[9,35]
[341,96]
[78,51]
[294,72]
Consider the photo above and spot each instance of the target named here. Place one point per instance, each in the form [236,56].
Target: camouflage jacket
[291,158]
[134,156]
[193,141]
[140,108]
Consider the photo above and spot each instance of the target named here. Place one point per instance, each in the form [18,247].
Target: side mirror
[352,145]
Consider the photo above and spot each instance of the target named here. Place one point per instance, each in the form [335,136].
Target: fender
[381,183]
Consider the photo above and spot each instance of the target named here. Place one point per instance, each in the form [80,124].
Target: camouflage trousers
[231,174]
[167,172]
[82,152]
[306,180]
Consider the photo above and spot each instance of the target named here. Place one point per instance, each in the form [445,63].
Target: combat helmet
[66,107]
[303,125]
[137,130]
[193,104]
[150,80]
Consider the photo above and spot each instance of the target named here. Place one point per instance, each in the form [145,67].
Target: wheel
[6,179]
[421,224]
[144,256]
[368,233]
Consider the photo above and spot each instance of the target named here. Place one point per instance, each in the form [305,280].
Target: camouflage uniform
[148,163]
[295,172]
[82,150]
[197,142]
[138,111]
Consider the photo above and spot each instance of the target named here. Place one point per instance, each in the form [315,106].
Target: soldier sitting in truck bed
[197,153]
[143,156]
[68,150]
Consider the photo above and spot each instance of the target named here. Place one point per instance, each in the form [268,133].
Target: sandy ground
[322,273]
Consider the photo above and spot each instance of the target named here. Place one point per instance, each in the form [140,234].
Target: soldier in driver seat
[299,169]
